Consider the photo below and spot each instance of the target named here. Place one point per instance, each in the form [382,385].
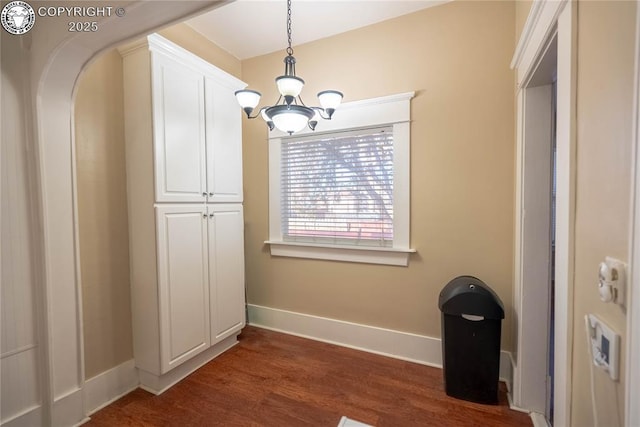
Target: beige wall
[606,34]
[456,57]
[102,214]
[185,36]
[102,200]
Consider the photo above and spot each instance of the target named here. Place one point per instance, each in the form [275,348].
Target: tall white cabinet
[184,182]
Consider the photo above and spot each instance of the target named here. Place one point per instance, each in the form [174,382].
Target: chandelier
[290,114]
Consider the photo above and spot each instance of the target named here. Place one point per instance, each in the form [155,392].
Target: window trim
[394,111]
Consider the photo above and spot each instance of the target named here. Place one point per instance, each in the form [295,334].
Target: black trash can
[472,316]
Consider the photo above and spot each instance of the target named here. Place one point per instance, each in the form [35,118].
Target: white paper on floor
[347,422]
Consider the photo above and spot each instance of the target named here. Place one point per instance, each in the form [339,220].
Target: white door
[183,283]
[179,131]
[226,270]
[224,144]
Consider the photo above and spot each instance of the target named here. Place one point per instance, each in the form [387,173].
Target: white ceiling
[248,28]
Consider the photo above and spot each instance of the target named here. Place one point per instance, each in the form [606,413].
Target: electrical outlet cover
[621,282]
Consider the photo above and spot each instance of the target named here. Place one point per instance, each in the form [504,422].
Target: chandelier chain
[289,49]
[290,114]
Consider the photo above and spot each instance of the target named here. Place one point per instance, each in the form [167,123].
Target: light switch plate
[605,346]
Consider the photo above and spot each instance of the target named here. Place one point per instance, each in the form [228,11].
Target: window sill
[362,254]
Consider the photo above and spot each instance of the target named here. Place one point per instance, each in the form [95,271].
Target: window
[342,193]
[338,188]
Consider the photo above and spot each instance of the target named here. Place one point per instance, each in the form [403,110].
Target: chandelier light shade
[290,114]
[248,99]
[289,85]
[290,118]
[330,100]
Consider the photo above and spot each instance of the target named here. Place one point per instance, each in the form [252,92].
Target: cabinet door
[224,144]
[179,131]
[183,281]
[226,270]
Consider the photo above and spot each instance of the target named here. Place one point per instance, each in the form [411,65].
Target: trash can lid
[470,295]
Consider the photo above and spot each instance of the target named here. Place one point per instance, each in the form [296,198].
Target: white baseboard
[29,417]
[110,385]
[68,409]
[386,342]
[97,392]
[512,406]
[538,420]
[507,367]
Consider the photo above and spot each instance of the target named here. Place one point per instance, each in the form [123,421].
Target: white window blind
[338,188]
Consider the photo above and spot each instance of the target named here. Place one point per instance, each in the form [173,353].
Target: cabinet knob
[210,194]
[204,194]
[204,215]
[210,215]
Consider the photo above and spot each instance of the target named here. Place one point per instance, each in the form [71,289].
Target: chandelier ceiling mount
[290,114]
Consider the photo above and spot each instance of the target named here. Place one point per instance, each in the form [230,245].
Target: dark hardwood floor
[273,379]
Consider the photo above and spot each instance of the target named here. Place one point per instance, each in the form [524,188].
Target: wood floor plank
[273,379]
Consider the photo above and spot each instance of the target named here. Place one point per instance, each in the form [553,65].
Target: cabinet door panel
[179,132]
[224,144]
[183,283]
[226,270]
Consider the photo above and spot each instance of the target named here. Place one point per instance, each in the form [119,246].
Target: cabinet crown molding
[158,44]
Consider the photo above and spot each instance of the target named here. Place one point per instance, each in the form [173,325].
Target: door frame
[632,389]
[534,251]
[545,19]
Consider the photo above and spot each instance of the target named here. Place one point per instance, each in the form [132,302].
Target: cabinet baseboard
[158,384]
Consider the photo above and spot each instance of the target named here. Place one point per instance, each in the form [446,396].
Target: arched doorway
[52,60]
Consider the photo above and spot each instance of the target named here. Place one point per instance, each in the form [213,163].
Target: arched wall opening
[55,59]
